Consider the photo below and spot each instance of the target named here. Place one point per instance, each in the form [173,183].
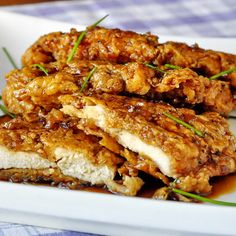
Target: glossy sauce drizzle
[223,185]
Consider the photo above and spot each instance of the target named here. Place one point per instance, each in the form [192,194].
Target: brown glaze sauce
[221,185]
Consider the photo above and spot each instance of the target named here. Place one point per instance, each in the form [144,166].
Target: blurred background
[13,2]
[204,18]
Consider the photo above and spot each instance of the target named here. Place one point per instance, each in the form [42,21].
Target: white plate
[93,212]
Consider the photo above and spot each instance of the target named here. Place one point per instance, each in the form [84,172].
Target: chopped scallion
[74,49]
[80,38]
[5,111]
[41,68]
[169,66]
[87,79]
[99,21]
[9,57]
[196,131]
[154,68]
[231,117]
[223,73]
[202,199]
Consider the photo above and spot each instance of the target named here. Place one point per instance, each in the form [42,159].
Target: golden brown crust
[103,44]
[124,46]
[18,135]
[36,97]
[206,62]
[28,92]
[190,154]
[51,176]
[134,161]
[217,165]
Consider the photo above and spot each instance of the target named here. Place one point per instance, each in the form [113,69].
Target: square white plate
[94,212]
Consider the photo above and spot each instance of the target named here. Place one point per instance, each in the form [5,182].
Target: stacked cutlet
[132,115]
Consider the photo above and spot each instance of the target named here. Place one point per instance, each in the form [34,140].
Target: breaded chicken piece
[205,62]
[28,90]
[119,46]
[31,153]
[142,129]
[99,43]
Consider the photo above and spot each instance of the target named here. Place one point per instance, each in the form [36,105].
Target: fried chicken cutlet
[154,139]
[29,153]
[120,46]
[29,90]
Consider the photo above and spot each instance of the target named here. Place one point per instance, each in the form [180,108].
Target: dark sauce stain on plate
[223,185]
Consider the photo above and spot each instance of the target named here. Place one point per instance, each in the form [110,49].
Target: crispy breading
[113,45]
[32,153]
[28,91]
[119,126]
[205,62]
[177,151]
[119,46]
[134,161]
[52,176]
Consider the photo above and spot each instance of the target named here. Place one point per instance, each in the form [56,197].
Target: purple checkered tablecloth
[211,18]
[214,18]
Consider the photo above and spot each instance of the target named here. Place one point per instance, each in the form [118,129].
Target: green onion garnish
[196,131]
[202,199]
[169,66]
[87,79]
[5,111]
[41,68]
[231,117]
[154,68]
[80,38]
[99,21]
[74,49]
[0,97]
[9,57]
[223,73]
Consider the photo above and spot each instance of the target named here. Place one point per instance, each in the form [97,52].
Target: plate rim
[164,206]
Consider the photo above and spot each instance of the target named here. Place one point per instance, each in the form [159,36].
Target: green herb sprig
[196,131]
[231,117]
[9,57]
[5,111]
[202,199]
[223,73]
[87,79]
[41,68]
[154,68]
[169,66]
[80,38]
[98,22]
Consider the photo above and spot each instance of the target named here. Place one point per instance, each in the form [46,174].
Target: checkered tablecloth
[167,17]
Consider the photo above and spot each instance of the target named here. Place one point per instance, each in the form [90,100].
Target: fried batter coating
[113,125]
[28,90]
[113,45]
[141,127]
[205,62]
[119,46]
[29,152]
